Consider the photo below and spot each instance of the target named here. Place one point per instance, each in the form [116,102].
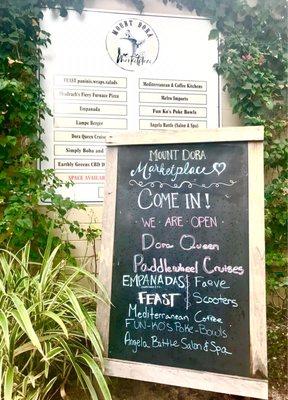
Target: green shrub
[22,108]
[48,334]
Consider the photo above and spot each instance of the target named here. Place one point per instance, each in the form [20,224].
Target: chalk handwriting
[173,171]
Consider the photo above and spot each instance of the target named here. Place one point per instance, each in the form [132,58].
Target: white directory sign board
[114,71]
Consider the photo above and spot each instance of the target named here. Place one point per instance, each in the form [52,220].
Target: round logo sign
[132,44]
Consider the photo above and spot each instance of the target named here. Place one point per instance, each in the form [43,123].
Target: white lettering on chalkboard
[174,221]
[214,300]
[188,242]
[174,171]
[172,200]
[162,266]
[149,223]
[238,270]
[147,200]
[206,318]
[146,280]
[135,343]
[183,270]
[202,282]
[204,221]
[167,299]
[148,241]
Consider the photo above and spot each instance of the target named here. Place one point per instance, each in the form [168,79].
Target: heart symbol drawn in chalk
[219,167]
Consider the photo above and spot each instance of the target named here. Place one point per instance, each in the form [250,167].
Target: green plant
[22,107]
[48,333]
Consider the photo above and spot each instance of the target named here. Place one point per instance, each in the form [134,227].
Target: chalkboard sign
[180,240]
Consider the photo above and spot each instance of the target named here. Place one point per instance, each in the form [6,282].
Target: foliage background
[253,61]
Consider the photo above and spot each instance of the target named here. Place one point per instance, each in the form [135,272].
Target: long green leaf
[5,329]
[47,267]
[2,287]
[77,310]
[22,317]
[91,323]
[12,256]
[29,346]
[84,293]
[25,257]
[48,387]
[17,318]
[61,289]
[91,332]
[53,353]
[94,336]
[82,271]
[88,382]
[48,244]
[58,321]
[15,334]
[35,395]
[71,357]
[96,346]
[24,386]
[5,267]
[8,383]
[98,375]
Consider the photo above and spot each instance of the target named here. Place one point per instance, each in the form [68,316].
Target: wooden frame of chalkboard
[254,385]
